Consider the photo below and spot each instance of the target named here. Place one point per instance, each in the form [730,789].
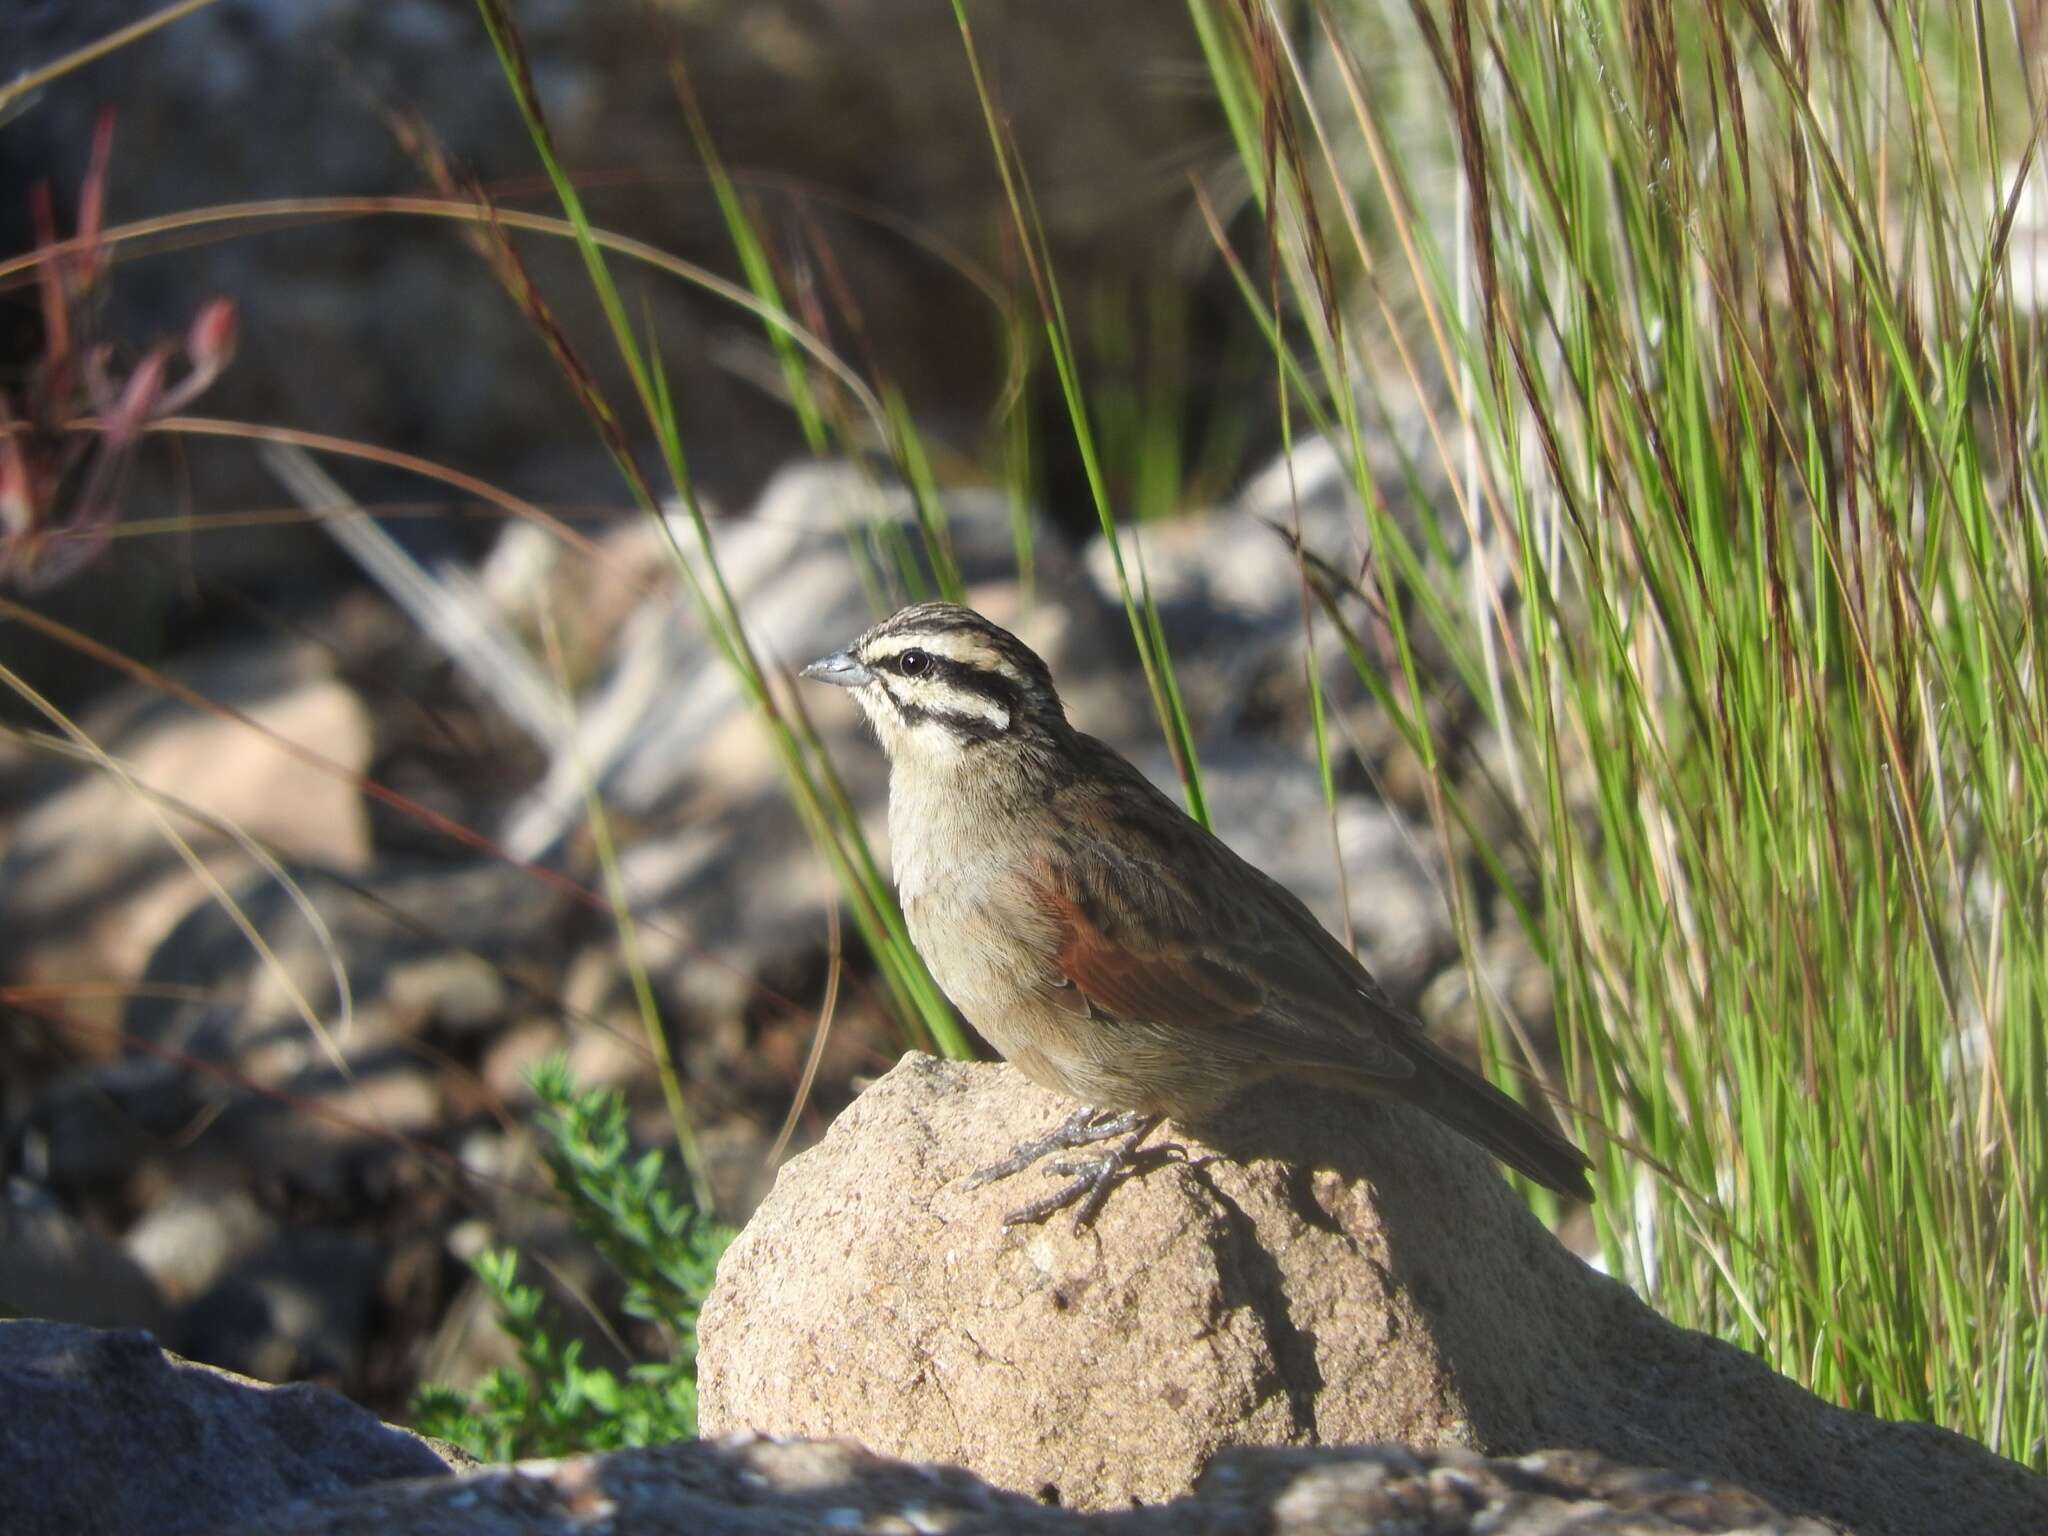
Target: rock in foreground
[744,1485]
[1349,1274]
[104,1433]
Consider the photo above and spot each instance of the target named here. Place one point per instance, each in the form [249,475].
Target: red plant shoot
[69,437]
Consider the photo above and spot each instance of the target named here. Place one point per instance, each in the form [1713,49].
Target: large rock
[1347,1273]
[744,1485]
[103,1434]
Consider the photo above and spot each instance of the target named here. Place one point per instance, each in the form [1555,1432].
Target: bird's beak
[839,668]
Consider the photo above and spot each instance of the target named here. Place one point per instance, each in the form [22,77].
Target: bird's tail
[1480,1112]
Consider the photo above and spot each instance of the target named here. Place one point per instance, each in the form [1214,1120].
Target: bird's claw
[1083,1128]
[1091,1178]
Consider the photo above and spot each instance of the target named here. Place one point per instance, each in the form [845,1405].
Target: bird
[1107,944]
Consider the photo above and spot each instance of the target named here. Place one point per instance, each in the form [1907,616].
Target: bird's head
[938,681]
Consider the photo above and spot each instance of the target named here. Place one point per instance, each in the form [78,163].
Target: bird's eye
[913,663]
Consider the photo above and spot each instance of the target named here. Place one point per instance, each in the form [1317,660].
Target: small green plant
[664,1251]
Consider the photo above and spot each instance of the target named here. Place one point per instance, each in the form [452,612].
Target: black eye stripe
[967,676]
[992,686]
[972,727]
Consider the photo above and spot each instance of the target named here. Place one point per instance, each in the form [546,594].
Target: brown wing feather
[1146,931]
[1115,981]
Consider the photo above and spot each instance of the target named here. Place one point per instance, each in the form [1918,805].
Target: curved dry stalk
[836,963]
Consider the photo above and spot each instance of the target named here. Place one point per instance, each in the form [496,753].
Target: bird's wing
[1122,975]
[1162,923]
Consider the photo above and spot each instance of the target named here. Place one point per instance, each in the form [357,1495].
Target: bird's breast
[963,880]
[975,930]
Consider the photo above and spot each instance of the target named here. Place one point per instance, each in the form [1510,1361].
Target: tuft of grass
[1714,319]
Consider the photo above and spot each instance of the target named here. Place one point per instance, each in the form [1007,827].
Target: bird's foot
[1091,1178]
[1083,1128]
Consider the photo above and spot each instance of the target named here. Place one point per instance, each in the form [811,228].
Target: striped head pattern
[940,678]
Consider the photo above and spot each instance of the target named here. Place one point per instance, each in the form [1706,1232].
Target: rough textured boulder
[744,1485]
[1347,1274]
[103,1434]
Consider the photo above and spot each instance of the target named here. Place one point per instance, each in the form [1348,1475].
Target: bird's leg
[1083,1128]
[1092,1178]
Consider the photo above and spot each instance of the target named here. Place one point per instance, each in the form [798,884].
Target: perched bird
[1107,944]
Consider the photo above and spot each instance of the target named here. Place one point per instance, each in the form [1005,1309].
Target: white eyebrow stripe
[962,646]
[977,705]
